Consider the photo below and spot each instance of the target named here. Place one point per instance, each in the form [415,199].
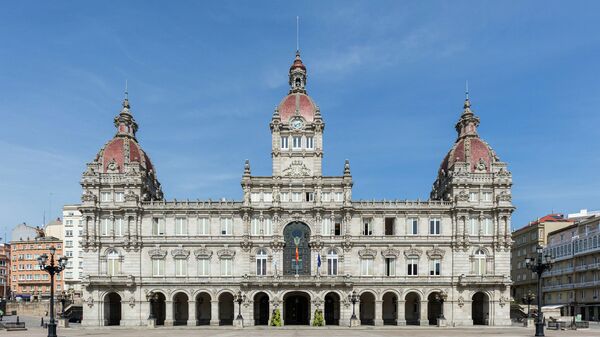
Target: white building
[72,232]
[400,257]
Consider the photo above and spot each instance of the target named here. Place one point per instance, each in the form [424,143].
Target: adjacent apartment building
[4,270]
[525,241]
[574,282]
[72,231]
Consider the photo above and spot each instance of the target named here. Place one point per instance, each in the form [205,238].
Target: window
[473,226]
[434,226]
[285,196]
[473,196]
[226,267]
[366,267]
[105,196]
[226,226]
[326,226]
[479,263]
[119,196]
[158,267]
[412,265]
[158,226]
[255,196]
[487,196]
[389,224]
[180,226]
[118,226]
[310,143]
[488,228]
[296,142]
[332,262]
[339,196]
[203,226]
[255,226]
[268,226]
[69,243]
[367,226]
[326,197]
[413,226]
[337,227]
[113,261]
[105,227]
[435,267]
[267,197]
[203,267]
[310,196]
[261,263]
[180,267]
[69,253]
[390,266]
[284,143]
[69,232]
[296,196]
[68,222]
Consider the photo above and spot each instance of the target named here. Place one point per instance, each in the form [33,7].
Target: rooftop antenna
[297,33]
[467,89]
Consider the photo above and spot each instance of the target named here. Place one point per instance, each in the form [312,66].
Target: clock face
[297,123]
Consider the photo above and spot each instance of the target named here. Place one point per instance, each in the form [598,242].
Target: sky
[389,77]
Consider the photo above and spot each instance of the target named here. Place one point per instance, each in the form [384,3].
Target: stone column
[311,314]
[191,313]
[400,312]
[168,313]
[214,312]
[248,313]
[423,314]
[378,312]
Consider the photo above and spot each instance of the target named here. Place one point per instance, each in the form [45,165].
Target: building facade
[525,241]
[297,241]
[72,232]
[5,270]
[55,228]
[574,281]
[28,281]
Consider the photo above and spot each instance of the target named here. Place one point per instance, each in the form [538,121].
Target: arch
[203,308]
[226,308]
[367,308]
[158,307]
[480,308]
[112,309]
[389,308]
[296,308]
[434,308]
[261,308]
[332,308]
[180,309]
[412,308]
[296,236]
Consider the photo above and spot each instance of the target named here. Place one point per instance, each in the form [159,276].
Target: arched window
[261,262]
[332,262]
[113,263]
[479,262]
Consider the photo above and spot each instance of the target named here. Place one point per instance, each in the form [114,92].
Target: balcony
[123,280]
[490,280]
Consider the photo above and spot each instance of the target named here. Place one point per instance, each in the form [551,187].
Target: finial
[247,167]
[467,89]
[297,35]
[347,167]
[126,100]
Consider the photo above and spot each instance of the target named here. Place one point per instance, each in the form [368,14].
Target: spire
[124,122]
[468,122]
[247,168]
[297,75]
[347,168]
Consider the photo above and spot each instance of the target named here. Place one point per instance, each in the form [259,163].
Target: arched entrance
[434,308]
[480,309]
[180,309]
[412,307]
[112,309]
[332,309]
[367,309]
[296,235]
[203,309]
[226,309]
[389,309]
[159,307]
[296,309]
[261,309]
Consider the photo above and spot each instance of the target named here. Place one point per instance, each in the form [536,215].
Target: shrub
[318,320]
[276,319]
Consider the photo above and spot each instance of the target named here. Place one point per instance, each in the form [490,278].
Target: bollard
[17,319]
[42,323]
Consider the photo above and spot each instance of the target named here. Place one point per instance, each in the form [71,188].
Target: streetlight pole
[240,299]
[52,268]
[539,265]
[528,299]
[353,297]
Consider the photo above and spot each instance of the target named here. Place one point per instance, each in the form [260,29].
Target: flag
[297,256]
[319,260]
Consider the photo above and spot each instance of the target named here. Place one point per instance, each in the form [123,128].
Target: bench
[557,325]
[582,325]
[14,326]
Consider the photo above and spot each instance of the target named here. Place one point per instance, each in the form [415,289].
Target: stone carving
[347,244]
[90,302]
[367,252]
[90,171]
[203,253]
[131,196]
[413,252]
[390,253]
[502,301]
[504,196]
[131,302]
[481,165]
[246,244]
[225,253]
[88,196]
[503,173]
[112,166]
[462,196]
[461,301]
[180,253]
[296,169]
[435,252]
[157,253]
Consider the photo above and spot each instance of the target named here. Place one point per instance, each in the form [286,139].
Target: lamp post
[528,299]
[539,265]
[353,297]
[240,299]
[52,268]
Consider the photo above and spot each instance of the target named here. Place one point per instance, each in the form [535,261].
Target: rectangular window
[118,226]
[69,233]
[203,226]
[267,197]
[158,267]
[434,226]
[105,196]
[310,143]
[255,226]
[226,267]
[390,266]
[310,196]
[268,226]
[366,267]
[119,196]
[68,222]
[326,226]
[261,267]
[412,264]
[339,197]
[487,196]
[285,197]
[367,226]
[389,226]
[203,267]
[326,197]
[473,226]
[255,197]
[473,196]
[180,267]
[435,267]
[284,143]
[413,226]
[296,142]
[180,226]
[488,228]
[337,227]
[69,243]
[158,226]
[105,227]
[226,226]
[296,196]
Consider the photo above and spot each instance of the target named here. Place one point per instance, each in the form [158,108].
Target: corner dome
[120,151]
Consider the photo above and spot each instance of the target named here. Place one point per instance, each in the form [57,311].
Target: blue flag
[319,260]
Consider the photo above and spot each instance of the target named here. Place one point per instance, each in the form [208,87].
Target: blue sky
[389,78]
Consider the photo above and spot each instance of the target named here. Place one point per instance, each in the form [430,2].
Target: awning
[557,306]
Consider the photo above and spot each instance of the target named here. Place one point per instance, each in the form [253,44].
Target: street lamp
[528,299]
[240,299]
[539,265]
[52,268]
[353,297]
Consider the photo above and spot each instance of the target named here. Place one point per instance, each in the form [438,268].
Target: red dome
[300,102]
[121,150]
[472,150]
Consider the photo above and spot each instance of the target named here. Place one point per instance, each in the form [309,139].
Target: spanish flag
[297,256]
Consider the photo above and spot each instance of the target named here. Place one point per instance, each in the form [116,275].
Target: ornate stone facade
[297,241]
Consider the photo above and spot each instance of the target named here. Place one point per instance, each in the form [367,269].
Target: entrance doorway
[261,309]
[480,309]
[203,309]
[434,308]
[296,309]
[226,309]
[367,309]
[412,308]
[389,309]
[180,309]
[159,308]
[112,309]
[332,309]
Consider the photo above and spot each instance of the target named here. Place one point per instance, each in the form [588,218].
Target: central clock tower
[297,130]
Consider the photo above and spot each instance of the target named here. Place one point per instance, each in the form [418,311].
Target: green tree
[276,319]
[318,320]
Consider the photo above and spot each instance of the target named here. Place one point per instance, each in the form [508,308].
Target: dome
[470,150]
[297,104]
[120,151]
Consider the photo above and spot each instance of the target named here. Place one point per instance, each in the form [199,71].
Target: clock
[297,123]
